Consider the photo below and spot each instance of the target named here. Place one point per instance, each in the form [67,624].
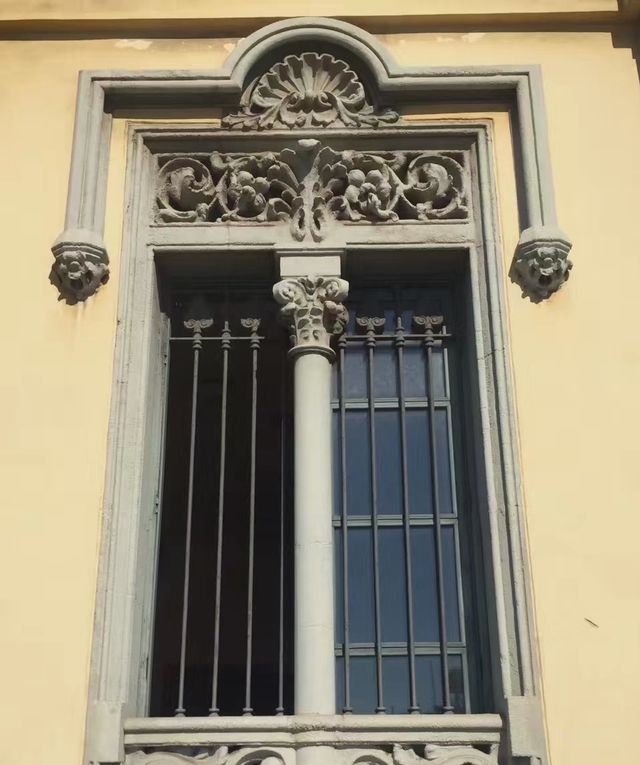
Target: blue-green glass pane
[393,590]
[419,462]
[395,683]
[361,602]
[388,462]
[355,372]
[363,684]
[358,453]
[415,379]
[423,569]
[339,592]
[429,683]
[385,371]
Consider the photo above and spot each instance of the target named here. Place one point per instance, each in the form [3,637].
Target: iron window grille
[223,631]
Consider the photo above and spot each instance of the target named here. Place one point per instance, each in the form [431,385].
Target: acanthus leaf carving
[307,90]
[232,188]
[313,307]
[309,187]
[390,186]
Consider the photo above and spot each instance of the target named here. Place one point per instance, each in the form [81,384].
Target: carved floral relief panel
[311,185]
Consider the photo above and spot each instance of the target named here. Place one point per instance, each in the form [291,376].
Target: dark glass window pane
[385,375]
[395,683]
[429,683]
[423,567]
[444,461]
[358,462]
[419,462]
[388,462]
[415,378]
[339,592]
[361,603]
[393,588]
[363,684]
[355,380]
[437,358]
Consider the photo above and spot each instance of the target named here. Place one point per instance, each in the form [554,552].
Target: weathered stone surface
[541,262]
[310,90]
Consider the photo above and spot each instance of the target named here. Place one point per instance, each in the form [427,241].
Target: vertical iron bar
[196,325]
[429,322]
[371,324]
[283,454]
[226,345]
[253,325]
[399,343]
[342,344]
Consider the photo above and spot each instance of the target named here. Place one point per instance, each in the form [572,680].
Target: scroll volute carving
[229,187]
[391,186]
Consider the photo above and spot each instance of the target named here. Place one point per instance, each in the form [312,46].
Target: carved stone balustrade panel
[429,754]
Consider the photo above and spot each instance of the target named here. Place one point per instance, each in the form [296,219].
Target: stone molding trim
[100,93]
[312,305]
[352,740]
[311,90]
[119,681]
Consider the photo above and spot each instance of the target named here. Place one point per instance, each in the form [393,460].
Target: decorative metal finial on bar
[399,343]
[430,325]
[196,326]
[226,346]
[252,325]
[313,307]
[433,327]
[371,325]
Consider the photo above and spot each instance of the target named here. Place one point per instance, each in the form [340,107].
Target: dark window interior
[271,659]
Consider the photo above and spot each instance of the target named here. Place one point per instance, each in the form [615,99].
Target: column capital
[313,307]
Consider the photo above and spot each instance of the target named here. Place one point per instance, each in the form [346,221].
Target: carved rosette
[312,305]
[390,186]
[541,262]
[80,267]
[310,90]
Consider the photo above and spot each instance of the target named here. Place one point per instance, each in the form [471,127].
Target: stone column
[313,307]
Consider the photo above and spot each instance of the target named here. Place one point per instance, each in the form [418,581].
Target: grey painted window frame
[117,687]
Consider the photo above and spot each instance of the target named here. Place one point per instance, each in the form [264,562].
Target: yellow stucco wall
[576,367]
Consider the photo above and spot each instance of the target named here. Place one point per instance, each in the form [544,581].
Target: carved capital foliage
[310,186]
[541,262]
[313,307]
[310,90]
[80,267]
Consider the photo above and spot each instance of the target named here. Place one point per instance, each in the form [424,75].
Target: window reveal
[223,626]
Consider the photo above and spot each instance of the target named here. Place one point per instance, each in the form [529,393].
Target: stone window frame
[139,377]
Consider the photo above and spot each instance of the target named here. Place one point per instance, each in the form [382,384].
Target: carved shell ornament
[310,90]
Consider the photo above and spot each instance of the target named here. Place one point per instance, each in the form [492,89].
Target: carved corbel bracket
[81,265]
[313,307]
[541,262]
